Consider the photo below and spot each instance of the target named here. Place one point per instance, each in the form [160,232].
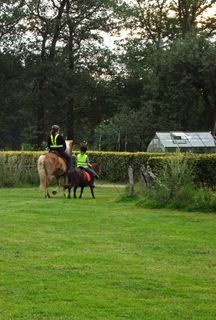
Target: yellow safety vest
[54,144]
[82,160]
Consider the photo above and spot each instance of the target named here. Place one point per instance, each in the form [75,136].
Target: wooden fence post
[147,176]
[131,181]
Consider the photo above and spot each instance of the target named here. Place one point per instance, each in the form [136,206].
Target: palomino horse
[80,178]
[51,165]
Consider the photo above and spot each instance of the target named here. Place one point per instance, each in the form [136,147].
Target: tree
[195,15]
[128,130]
[160,21]
[60,40]
[11,88]
[171,60]
[190,68]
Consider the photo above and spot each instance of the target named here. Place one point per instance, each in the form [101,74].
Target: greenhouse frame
[194,142]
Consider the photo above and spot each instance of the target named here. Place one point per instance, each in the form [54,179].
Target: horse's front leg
[74,191]
[46,192]
[58,187]
[92,191]
[47,195]
[81,192]
[69,193]
[68,188]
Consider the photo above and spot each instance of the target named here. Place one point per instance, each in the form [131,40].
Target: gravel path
[110,185]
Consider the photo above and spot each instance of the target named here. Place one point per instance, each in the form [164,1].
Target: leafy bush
[177,172]
[175,188]
[114,166]
[195,199]
[17,168]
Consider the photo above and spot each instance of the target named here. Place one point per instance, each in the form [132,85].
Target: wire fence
[18,171]
[21,166]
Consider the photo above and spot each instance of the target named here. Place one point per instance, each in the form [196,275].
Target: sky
[109,40]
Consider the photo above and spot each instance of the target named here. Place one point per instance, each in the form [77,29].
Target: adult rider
[57,143]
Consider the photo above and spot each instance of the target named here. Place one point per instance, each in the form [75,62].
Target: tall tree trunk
[211,112]
[214,128]
[70,120]
[42,80]
[57,29]
[70,46]
[40,114]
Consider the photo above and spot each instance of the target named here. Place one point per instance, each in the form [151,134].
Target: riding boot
[92,180]
[96,176]
[69,166]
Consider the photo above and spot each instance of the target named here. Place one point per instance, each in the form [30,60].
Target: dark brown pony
[51,165]
[80,178]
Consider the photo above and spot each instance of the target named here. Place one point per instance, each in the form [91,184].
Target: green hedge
[205,169]
[114,165]
[23,165]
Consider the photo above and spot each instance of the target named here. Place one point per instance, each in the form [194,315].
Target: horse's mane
[69,146]
[96,167]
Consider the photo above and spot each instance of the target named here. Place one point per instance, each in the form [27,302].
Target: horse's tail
[74,178]
[42,172]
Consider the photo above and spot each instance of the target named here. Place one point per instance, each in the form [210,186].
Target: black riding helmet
[83,148]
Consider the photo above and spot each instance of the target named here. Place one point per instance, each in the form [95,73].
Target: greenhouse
[196,142]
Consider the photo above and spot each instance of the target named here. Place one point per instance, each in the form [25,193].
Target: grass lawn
[103,259]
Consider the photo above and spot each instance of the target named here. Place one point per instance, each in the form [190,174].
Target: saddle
[59,155]
[86,175]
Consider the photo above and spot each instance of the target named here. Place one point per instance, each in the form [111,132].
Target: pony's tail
[42,172]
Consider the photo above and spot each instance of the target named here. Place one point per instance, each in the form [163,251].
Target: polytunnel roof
[186,139]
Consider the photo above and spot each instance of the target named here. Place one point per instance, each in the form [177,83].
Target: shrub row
[18,168]
[175,189]
[22,166]
[115,165]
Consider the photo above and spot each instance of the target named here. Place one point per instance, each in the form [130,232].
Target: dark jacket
[59,141]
